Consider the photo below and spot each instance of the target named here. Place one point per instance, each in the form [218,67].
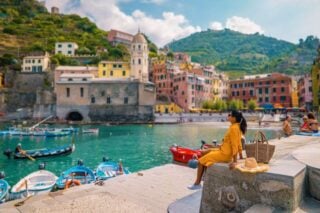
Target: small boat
[108,169]
[39,182]
[77,174]
[46,152]
[4,190]
[309,134]
[92,131]
[57,133]
[184,154]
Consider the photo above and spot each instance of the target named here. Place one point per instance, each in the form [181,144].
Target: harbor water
[139,146]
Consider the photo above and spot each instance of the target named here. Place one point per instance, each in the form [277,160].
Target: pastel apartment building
[113,69]
[305,92]
[36,63]
[66,48]
[117,37]
[274,88]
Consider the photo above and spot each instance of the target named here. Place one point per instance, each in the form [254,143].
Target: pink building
[117,37]
[182,57]
[305,91]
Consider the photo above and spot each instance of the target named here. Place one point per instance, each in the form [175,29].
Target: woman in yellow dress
[228,150]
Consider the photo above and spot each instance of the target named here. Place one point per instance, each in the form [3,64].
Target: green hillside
[26,26]
[236,52]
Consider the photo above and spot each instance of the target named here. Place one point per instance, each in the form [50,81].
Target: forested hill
[236,52]
[27,26]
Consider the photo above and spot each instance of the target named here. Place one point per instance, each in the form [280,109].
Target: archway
[74,116]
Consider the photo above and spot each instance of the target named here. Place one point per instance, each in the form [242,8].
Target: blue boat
[46,152]
[309,134]
[77,174]
[4,190]
[108,169]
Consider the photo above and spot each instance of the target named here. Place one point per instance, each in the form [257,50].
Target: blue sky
[165,20]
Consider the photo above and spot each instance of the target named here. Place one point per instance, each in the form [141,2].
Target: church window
[139,61]
[93,99]
[139,47]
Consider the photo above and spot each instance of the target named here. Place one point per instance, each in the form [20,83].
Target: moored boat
[39,182]
[4,188]
[315,134]
[76,175]
[46,152]
[108,169]
[90,131]
[57,133]
[184,154]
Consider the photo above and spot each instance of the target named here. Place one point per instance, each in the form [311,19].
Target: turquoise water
[139,146]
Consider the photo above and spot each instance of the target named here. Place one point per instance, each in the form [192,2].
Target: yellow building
[167,108]
[113,69]
[295,99]
[216,84]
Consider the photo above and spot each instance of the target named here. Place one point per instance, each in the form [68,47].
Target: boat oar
[28,156]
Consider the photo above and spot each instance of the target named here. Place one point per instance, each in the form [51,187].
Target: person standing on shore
[229,149]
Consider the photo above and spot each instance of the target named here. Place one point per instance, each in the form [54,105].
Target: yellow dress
[231,146]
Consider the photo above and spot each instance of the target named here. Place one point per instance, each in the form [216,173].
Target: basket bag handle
[263,139]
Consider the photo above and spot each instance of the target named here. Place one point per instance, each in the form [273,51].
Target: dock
[146,191]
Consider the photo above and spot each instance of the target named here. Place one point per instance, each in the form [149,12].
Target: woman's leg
[199,174]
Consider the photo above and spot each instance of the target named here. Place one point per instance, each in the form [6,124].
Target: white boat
[90,131]
[39,182]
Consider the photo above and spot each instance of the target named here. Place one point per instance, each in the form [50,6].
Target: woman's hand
[232,165]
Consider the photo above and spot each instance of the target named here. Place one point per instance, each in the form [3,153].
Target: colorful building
[305,92]
[117,37]
[274,88]
[165,105]
[113,69]
[36,63]
[294,94]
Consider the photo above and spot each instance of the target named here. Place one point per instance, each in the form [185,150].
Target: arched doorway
[74,116]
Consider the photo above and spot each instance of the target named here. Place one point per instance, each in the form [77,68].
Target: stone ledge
[282,187]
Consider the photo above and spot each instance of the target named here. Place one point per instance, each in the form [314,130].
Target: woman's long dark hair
[240,119]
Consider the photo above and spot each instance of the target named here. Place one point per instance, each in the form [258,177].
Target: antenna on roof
[138,29]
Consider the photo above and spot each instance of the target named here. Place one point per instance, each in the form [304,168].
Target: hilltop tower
[139,57]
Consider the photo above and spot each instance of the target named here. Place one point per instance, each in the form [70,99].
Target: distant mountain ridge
[236,52]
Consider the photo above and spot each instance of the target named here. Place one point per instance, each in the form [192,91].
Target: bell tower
[139,58]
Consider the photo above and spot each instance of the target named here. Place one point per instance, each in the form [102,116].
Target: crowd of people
[309,125]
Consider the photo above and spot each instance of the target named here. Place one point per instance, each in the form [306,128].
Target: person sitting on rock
[229,149]
[313,123]
[305,126]
[287,129]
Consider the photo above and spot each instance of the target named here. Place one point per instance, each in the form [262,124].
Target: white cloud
[243,25]
[107,15]
[240,24]
[216,25]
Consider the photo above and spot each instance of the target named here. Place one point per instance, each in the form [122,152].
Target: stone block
[314,182]
[282,187]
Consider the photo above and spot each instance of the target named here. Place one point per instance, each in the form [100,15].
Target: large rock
[282,187]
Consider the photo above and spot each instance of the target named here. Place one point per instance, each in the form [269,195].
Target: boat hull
[109,169]
[81,173]
[64,150]
[184,154]
[36,183]
[4,190]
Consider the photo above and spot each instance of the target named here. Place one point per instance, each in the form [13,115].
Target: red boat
[184,154]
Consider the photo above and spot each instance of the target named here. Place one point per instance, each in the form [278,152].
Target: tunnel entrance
[74,116]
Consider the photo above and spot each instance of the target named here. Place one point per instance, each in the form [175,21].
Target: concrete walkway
[147,191]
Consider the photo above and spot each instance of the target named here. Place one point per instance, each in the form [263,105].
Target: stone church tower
[139,58]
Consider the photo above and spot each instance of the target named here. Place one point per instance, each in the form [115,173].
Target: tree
[252,104]
[235,104]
